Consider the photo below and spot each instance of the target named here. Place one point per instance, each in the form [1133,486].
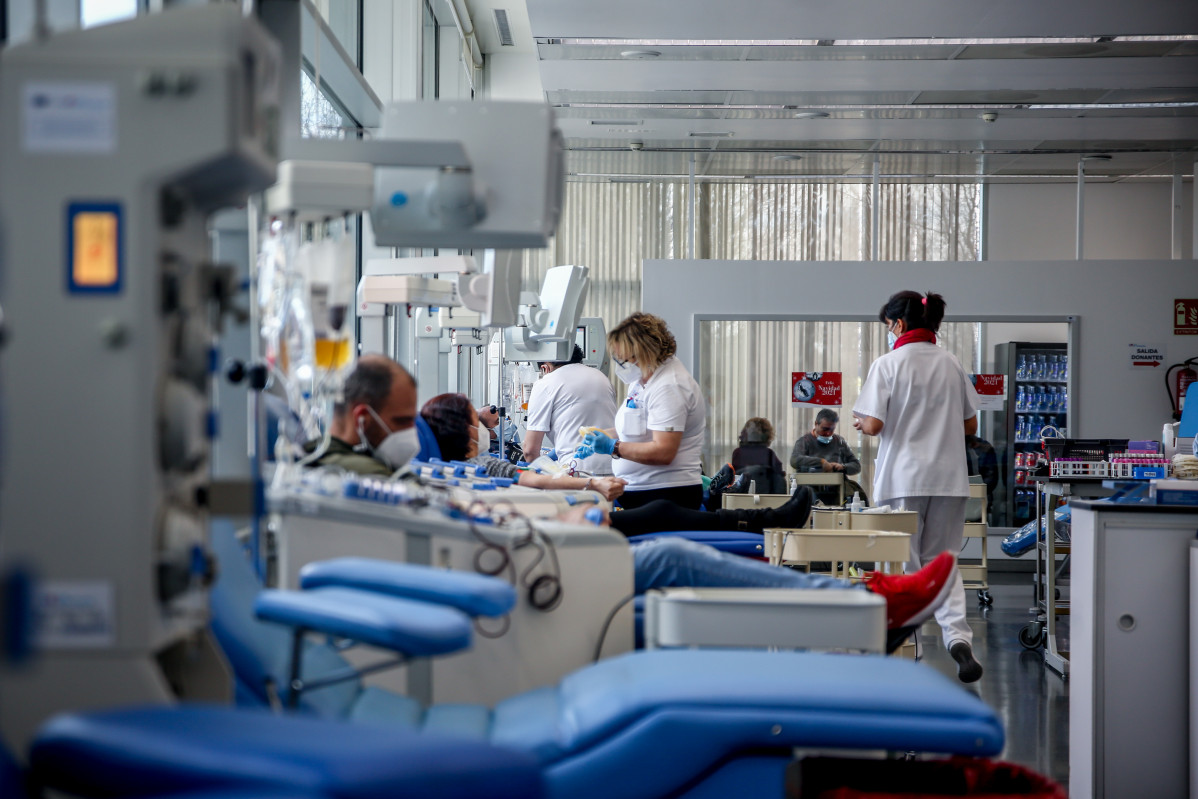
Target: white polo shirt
[670,402]
[570,397]
[923,397]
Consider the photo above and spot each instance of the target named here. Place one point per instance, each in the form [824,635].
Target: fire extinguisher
[1179,384]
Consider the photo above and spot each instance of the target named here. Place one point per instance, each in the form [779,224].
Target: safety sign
[815,388]
[1146,357]
[1185,317]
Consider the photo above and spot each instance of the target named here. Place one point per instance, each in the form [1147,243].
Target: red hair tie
[924,301]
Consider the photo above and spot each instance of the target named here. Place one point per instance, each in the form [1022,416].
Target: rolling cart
[975,573]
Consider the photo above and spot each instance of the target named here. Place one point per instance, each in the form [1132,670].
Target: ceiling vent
[503,28]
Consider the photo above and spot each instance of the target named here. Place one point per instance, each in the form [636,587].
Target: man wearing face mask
[569,397]
[822,450]
[374,426]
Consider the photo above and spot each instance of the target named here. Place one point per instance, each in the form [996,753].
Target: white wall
[1114,304]
[514,76]
[1122,220]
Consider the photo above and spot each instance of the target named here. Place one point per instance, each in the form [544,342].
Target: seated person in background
[754,462]
[822,450]
[754,465]
[661,563]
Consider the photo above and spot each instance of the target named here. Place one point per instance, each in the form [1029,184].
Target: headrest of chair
[429,448]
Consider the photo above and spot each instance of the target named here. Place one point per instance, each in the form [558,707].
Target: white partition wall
[1111,303]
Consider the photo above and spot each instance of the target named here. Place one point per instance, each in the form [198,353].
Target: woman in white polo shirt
[659,426]
[919,402]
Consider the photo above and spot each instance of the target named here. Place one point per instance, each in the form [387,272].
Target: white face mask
[483,437]
[628,372]
[890,339]
[396,449]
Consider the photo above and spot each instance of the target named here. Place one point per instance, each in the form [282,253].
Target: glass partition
[745,370]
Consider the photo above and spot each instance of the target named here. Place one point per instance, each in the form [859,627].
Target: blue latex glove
[584,452]
[601,443]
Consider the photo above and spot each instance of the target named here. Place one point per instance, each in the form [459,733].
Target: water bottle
[1064,367]
[1054,367]
[1021,368]
[794,484]
[856,505]
[1021,399]
[753,487]
[1041,366]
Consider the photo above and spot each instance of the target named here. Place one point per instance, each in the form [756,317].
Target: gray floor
[1032,700]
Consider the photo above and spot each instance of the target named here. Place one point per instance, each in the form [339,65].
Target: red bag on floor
[846,778]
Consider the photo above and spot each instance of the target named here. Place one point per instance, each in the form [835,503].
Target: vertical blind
[745,365]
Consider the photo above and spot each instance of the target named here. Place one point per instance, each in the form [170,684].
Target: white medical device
[591,338]
[551,319]
[118,143]
[460,175]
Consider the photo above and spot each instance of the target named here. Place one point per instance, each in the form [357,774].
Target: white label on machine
[68,117]
[77,614]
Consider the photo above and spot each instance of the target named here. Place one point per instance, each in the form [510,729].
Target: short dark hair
[448,416]
[370,382]
[827,415]
[575,357]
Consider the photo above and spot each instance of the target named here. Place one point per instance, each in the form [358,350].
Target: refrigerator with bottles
[1037,377]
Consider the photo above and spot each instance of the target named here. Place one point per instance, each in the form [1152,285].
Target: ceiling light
[895,42]
[1097,157]
[616,122]
[807,113]
[788,157]
[640,54]
[715,134]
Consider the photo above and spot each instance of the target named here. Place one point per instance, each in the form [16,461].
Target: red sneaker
[912,598]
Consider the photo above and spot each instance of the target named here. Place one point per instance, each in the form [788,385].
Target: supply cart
[1077,468]
[975,573]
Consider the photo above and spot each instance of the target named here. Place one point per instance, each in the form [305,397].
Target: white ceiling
[904,83]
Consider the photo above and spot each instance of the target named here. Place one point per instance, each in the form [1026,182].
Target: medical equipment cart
[975,573]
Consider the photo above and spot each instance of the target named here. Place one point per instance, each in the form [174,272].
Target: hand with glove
[596,442]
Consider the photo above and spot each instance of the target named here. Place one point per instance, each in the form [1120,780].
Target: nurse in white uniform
[920,403]
[571,396]
[658,436]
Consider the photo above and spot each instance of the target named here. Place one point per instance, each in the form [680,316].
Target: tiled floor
[1032,700]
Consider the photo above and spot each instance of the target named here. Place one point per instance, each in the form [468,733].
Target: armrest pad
[400,625]
[473,594]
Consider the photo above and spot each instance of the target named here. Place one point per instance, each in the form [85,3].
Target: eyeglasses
[622,363]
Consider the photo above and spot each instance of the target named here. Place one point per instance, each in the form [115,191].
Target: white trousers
[941,528]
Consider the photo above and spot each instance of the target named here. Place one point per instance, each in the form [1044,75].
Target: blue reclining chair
[645,724]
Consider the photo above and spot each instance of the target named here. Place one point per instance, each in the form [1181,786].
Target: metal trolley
[975,573]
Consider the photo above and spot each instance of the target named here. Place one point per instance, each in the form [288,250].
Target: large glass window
[102,12]
[612,227]
[745,371]
[320,117]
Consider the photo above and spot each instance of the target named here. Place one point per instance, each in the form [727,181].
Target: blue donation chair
[645,724]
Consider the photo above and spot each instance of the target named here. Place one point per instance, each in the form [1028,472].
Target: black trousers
[684,496]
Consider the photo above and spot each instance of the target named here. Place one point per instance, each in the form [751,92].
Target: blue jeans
[679,563]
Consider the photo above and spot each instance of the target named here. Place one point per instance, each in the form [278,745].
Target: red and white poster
[815,388]
[1185,317]
[991,391]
